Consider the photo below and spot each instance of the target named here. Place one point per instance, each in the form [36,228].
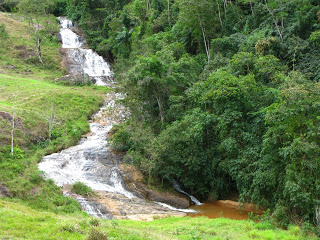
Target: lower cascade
[179,189]
[91,161]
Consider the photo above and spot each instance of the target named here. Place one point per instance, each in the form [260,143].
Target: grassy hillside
[28,92]
[21,222]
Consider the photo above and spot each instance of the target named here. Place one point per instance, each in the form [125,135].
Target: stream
[91,161]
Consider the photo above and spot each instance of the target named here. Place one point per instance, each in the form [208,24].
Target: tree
[36,13]
[199,15]
[13,100]
[276,11]
[50,116]
[7,5]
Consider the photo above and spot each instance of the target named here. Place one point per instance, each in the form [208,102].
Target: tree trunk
[251,6]
[169,13]
[219,15]
[275,20]
[206,44]
[13,126]
[39,53]
[161,113]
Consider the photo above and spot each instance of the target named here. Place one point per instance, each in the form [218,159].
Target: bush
[82,189]
[3,32]
[60,7]
[97,234]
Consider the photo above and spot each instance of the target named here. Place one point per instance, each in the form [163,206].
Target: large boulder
[134,179]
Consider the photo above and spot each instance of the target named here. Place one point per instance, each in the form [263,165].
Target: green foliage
[97,234]
[60,7]
[3,32]
[34,7]
[34,90]
[82,189]
[221,96]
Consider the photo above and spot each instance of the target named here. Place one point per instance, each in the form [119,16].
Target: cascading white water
[88,163]
[68,37]
[83,61]
[176,209]
[91,161]
[178,188]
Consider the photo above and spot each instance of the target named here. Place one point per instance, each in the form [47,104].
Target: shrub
[97,234]
[82,189]
[3,32]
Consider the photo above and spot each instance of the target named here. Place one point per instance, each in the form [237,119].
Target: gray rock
[58,35]
[12,67]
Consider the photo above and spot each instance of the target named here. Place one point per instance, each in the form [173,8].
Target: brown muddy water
[223,208]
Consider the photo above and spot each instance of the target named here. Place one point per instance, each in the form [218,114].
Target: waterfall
[82,60]
[178,188]
[91,161]
[88,162]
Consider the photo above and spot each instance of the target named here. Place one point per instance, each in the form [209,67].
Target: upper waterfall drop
[68,37]
[81,60]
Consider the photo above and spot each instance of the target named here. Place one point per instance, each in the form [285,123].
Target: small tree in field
[50,116]
[13,100]
[12,97]
[36,13]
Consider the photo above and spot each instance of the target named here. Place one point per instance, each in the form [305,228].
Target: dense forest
[224,95]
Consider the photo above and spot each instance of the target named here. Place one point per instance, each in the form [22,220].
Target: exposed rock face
[72,62]
[6,115]
[133,178]
[4,191]
[58,35]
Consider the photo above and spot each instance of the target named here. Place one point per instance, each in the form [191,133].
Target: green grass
[34,91]
[82,189]
[19,221]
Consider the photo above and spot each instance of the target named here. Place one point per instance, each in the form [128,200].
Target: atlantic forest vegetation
[224,95]
[224,98]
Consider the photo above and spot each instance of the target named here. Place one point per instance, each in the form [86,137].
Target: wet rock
[82,79]
[134,177]
[4,191]
[121,207]
[58,35]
